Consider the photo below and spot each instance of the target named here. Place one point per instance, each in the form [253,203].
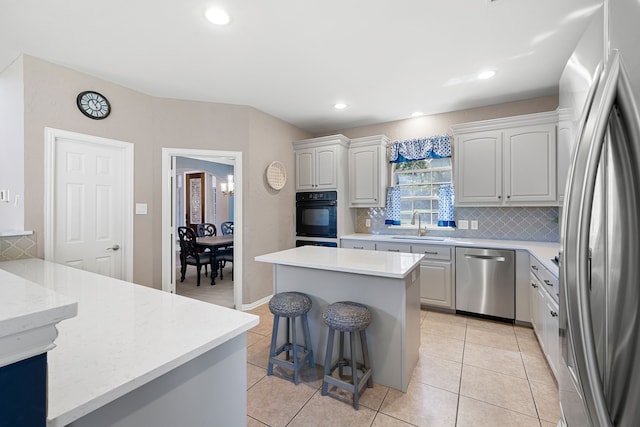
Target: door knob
[114,248]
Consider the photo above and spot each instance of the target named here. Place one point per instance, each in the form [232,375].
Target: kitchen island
[136,356]
[386,282]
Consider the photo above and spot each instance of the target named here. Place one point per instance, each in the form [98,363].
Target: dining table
[214,243]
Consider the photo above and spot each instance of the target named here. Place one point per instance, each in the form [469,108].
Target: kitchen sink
[431,238]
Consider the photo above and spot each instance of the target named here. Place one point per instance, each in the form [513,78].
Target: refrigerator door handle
[576,245]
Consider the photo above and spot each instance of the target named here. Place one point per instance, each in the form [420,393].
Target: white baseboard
[247,307]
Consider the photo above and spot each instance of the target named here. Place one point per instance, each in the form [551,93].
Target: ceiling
[294,59]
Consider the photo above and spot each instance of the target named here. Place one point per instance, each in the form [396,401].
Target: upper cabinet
[368,171]
[506,162]
[320,163]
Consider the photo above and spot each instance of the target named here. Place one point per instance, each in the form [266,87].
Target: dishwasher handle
[486,257]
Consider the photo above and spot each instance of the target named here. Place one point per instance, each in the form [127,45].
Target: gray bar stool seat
[290,305]
[351,317]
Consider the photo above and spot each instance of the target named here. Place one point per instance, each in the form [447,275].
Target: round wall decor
[276,175]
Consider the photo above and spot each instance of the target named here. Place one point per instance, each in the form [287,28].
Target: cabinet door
[530,165]
[478,172]
[305,169]
[358,244]
[435,284]
[550,333]
[326,168]
[364,176]
[536,306]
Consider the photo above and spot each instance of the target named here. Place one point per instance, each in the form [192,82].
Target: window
[419,183]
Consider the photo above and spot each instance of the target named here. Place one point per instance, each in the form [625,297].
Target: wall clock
[93,105]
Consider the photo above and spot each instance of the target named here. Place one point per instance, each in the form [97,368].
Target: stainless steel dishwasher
[485,282]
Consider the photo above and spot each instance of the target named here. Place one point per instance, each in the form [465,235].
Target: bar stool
[290,305]
[352,317]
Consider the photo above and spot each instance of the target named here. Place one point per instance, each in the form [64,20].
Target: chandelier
[227,187]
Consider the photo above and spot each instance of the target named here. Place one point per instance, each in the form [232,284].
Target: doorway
[170,158]
[89,203]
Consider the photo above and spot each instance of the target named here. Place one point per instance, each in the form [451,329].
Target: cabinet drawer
[432,251]
[546,278]
[393,247]
[358,244]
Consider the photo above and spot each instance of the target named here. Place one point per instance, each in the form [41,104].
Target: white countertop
[543,251]
[124,336]
[383,264]
[25,307]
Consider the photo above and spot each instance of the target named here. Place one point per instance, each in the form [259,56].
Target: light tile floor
[471,372]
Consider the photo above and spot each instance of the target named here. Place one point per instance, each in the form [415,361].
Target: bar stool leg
[354,369]
[307,340]
[365,356]
[327,360]
[288,353]
[294,344]
[341,359]
[272,349]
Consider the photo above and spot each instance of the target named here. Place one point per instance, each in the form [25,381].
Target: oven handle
[310,204]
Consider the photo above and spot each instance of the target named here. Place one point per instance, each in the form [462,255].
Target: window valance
[432,147]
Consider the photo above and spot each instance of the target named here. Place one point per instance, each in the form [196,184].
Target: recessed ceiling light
[217,16]
[417,114]
[340,106]
[486,74]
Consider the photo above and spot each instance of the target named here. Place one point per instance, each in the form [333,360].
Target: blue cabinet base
[23,393]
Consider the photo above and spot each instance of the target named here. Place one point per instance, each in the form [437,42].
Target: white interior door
[90,205]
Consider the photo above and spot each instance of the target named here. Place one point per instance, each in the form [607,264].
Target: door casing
[168,222]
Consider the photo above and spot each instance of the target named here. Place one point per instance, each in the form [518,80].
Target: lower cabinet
[393,247]
[437,283]
[544,318]
[437,287]
[358,244]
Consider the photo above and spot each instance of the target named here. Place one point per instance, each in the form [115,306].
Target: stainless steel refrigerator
[599,377]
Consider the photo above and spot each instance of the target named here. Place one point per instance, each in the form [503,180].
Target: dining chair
[189,254]
[207,229]
[226,254]
[226,227]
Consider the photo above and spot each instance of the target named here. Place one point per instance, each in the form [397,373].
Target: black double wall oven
[316,216]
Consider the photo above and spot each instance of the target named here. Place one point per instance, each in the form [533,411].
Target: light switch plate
[141,208]
[367,222]
[4,196]
[474,225]
[463,224]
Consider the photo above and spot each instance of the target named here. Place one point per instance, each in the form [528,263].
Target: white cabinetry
[320,163]
[544,313]
[393,247]
[436,276]
[368,171]
[506,162]
[358,244]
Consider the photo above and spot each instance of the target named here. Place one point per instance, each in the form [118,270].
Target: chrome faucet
[421,231]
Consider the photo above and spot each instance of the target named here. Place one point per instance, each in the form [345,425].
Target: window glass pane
[422,178]
[404,178]
[422,204]
[406,192]
[442,176]
[441,163]
[422,191]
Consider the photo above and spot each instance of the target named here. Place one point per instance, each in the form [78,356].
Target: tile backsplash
[530,224]
[18,247]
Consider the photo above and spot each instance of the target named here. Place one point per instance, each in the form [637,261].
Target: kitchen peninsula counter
[386,282]
[138,356]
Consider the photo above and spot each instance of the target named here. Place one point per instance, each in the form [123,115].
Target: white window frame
[430,220]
